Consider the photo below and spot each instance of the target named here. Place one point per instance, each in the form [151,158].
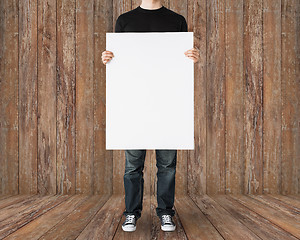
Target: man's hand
[107,56]
[193,54]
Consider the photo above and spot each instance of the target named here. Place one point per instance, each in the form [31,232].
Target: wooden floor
[97,217]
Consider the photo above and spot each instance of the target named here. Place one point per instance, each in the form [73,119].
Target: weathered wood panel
[196,165]
[105,221]
[103,162]
[9,97]
[36,228]
[26,215]
[197,217]
[226,224]
[74,223]
[255,222]
[290,75]
[271,96]
[53,123]
[253,76]
[46,182]
[287,222]
[215,97]
[84,96]
[195,223]
[65,80]
[28,97]
[234,97]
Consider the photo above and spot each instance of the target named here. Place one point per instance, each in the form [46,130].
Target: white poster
[149,91]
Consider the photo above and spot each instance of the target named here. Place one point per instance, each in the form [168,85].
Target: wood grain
[28,102]
[226,225]
[255,222]
[104,223]
[6,196]
[9,74]
[26,215]
[72,225]
[103,159]
[281,219]
[253,76]
[66,105]
[290,90]
[196,225]
[84,96]
[247,88]
[46,157]
[215,97]
[40,225]
[294,212]
[272,96]
[16,200]
[285,199]
[234,97]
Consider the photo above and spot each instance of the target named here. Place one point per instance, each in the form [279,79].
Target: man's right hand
[107,56]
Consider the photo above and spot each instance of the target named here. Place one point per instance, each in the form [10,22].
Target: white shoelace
[166,218]
[129,218]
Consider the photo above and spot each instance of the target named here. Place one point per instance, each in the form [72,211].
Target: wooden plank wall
[247,90]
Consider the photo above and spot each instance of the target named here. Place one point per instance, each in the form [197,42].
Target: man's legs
[134,182]
[166,163]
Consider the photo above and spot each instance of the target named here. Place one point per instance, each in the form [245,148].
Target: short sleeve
[184,27]
[118,27]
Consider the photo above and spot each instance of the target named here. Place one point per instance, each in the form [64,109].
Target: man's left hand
[193,54]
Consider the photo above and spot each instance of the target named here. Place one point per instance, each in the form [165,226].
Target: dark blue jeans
[134,182]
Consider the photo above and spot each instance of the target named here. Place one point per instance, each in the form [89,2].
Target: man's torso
[146,20]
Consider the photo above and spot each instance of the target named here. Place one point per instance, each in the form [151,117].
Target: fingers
[107,53]
[105,60]
[193,51]
[192,56]
[194,59]
[107,56]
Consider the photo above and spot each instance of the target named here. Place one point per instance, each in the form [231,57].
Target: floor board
[91,217]
[226,224]
[194,222]
[28,213]
[105,223]
[72,225]
[255,222]
[36,228]
[281,219]
[287,200]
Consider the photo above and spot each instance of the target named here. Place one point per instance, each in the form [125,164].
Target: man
[150,16]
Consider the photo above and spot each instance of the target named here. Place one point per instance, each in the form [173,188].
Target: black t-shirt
[151,20]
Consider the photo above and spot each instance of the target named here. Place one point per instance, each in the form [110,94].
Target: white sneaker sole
[168,228]
[129,228]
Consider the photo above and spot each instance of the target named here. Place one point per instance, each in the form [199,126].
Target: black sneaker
[129,224]
[167,223]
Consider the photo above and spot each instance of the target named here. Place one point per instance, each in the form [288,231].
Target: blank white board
[149,91]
